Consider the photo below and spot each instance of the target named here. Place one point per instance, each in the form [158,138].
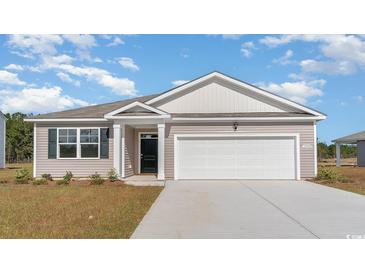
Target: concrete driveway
[253,209]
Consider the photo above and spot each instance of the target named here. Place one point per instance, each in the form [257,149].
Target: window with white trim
[78,143]
[89,143]
[67,143]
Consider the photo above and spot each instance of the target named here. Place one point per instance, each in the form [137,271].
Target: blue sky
[55,72]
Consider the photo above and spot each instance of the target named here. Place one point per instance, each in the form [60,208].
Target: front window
[67,139]
[89,142]
[78,143]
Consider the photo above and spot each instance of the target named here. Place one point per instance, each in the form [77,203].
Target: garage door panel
[236,158]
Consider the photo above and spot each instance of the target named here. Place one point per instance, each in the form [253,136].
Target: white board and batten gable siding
[2,140]
[219,97]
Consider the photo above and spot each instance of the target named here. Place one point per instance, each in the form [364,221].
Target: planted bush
[112,175]
[68,176]
[39,182]
[47,177]
[96,179]
[23,176]
[330,175]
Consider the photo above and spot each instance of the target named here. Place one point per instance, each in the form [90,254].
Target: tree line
[19,138]
[19,142]
[325,151]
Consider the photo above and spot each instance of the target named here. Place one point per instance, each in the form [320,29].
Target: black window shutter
[104,143]
[52,143]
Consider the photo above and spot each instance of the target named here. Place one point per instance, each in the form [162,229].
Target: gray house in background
[2,139]
[213,127]
[353,139]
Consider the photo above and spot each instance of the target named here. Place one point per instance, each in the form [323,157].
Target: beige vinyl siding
[79,167]
[129,151]
[304,129]
[220,97]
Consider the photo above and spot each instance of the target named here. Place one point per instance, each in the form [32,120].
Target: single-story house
[357,139]
[2,139]
[213,127]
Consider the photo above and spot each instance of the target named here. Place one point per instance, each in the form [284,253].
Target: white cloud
[66,78]
[116,41]
[128,63]
[83,43]
[120,86]
[9,78]
[185,53]
[328,67]
[359,99]
[246,49]
[231,36]
[179,82]
[285,59]
[41,100]
[14,67]
[81,40]
[299,91]
[29,45]
[344,54]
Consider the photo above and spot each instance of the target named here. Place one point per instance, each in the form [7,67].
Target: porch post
[161,152]
[116,148]
[122,149]
[338,154]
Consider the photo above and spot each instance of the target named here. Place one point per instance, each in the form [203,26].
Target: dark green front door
[148,155]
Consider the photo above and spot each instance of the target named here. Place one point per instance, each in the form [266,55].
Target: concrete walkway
[253,209]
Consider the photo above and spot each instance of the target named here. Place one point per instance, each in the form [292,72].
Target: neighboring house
[357,139]
[2,139]
[213,127]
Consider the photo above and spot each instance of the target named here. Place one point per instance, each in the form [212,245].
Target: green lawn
[77,211]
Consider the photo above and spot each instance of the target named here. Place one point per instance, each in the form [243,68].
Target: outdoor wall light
[235,125]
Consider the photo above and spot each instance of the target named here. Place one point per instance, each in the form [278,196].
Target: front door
[148,153]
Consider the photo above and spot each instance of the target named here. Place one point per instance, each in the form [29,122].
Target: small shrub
[331,176]
[63,182]
[112,175]
[47,177]
[68,176]
[22,176]
[96,179]
[39,182]
[3,182]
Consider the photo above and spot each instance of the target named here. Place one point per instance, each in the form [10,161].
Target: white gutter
[67,120]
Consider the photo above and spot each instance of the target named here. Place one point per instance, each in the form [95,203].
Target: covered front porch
[139,150]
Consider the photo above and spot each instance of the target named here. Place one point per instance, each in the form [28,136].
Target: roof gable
[256,99]
[135,109]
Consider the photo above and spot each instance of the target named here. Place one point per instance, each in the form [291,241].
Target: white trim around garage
[315,148]
[296,137]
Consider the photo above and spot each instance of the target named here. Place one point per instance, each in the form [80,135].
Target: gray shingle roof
[241,114]
[95,111]
[352,138]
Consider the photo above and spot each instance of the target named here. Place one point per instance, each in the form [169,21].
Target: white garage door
[236,158]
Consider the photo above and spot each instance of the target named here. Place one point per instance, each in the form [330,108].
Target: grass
[8,173]
[355,176]
[77,211]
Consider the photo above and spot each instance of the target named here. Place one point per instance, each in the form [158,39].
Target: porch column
[161,152]
[116,148]
[338,154]
[118,145]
